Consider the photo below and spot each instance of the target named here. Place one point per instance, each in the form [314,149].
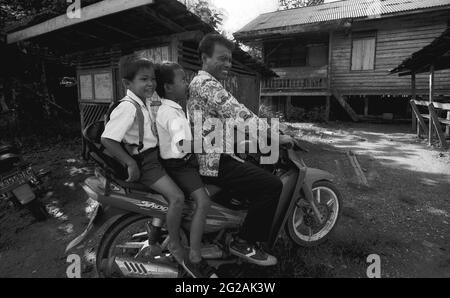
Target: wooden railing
[296,84]
[434,121]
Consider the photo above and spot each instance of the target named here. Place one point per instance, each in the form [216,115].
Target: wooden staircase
[343,102]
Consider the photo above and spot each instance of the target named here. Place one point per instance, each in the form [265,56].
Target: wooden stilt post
[366,106]
[447,128]
[434,120]
[329,76]
[430,128]
[419,117]
[288,106]
[327,108]
[414,97]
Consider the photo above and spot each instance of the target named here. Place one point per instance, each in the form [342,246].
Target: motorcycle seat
[133,186]
[92,135]
[8,160]
[4,149]
[211,189]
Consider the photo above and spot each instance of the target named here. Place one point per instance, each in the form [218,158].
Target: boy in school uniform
[174,134]
[143,166]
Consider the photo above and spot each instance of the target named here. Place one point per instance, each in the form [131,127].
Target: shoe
[199,270]
[252,254]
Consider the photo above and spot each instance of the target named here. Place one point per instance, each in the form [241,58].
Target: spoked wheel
[124,251]
[302,225]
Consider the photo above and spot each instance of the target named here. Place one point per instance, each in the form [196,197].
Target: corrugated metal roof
[336,11]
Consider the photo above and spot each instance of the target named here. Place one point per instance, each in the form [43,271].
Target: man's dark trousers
[261,188]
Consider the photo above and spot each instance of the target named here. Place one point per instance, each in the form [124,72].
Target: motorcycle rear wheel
[106,252]
[299,219]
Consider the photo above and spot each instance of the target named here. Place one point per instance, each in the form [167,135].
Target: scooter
[19,183]
[135,240]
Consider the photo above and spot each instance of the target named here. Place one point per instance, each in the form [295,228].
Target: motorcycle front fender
[315,175]
[296,183]
[102,217]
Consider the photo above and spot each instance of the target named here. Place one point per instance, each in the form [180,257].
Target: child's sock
[195,257]
[177,251]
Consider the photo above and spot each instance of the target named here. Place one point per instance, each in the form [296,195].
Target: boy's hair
[130,65]
[165,74]
[208,42]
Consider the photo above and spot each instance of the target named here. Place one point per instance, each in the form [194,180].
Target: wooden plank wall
[242,83]
[397,39]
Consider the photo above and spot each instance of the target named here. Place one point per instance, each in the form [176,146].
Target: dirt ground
[403,216]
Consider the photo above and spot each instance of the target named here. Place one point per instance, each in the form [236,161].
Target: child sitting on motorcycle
[122,132]
[175,133]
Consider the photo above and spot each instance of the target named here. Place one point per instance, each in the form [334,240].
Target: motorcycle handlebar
[296,146]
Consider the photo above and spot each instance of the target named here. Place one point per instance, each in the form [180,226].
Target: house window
[285,54]
[317,55]
[363,50]
[96,86]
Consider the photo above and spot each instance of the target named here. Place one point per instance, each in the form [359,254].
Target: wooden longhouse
[107,30]
[345,50]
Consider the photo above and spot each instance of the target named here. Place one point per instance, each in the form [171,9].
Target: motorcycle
[20,184]
[136,238]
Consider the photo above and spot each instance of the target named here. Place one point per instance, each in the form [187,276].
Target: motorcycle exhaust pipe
[132,268]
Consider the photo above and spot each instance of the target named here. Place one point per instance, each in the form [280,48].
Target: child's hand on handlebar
[133,172]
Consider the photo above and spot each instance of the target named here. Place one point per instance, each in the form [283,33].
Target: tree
[23,70]
[207,12]
[39,10]
[288,4]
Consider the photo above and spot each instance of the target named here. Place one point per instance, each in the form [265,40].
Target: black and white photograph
[244,141]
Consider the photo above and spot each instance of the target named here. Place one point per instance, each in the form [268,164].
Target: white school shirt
[173,127]
[123,124]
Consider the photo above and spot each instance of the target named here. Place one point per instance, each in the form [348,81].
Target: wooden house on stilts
[345,50]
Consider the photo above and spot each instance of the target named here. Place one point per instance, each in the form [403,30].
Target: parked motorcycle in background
[19,183]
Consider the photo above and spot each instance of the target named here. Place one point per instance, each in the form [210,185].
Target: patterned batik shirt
[208,97]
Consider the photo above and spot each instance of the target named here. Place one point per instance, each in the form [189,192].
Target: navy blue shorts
[185,173]
[150,166]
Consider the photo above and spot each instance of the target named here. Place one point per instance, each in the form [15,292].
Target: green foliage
[207,12]
[38,10]
[288,4]
[296,114]
[266,111]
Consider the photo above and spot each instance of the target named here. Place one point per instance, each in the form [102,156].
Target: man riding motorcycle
[244,179]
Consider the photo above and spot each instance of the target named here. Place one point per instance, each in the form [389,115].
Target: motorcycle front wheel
[124,251]
[303,227]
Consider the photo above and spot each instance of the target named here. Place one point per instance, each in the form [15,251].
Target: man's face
[143,84]
[219,64]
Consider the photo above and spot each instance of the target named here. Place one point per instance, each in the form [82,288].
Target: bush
[317,114]
[294,114]
[266,111]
